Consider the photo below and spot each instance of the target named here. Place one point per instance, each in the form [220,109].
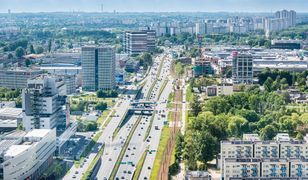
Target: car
[76,172]
[126,155]
[109,159]
[128,149]
[129,172]
[74,176]
[122,177]
[139,134]
[134,148]
[150,137]
[124,172]
[148,140]
[145,178]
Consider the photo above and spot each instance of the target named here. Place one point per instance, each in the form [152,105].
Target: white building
[26,155]
[45,104]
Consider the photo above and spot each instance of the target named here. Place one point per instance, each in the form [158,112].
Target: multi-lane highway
[138,142]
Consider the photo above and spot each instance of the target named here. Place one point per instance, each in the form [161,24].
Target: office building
[98,68]
[242,68]
[17,78]
[136,42]
[26,155]
[45,104]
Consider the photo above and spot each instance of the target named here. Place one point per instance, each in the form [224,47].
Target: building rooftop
[38,133]
[11,112]
[15,150]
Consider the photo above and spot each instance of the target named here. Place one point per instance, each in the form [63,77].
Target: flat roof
[11,112]
[15,150]
[38,133]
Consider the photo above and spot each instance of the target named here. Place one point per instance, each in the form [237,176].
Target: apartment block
[275,157]
[243,168]
[266,149]
[26,155]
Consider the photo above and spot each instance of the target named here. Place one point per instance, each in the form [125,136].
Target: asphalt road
[137,146]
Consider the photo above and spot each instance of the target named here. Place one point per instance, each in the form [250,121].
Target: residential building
[26,155]
[98,68]
[17,78]
[268,158]
[45,104]
[136,42]
[200,28]
[242,68]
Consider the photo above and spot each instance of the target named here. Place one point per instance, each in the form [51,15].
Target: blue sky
[153,5]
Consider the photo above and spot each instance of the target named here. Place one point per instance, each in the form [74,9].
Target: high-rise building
[98,68]
[45,104]
[242,68]
[136,42]
[26,155]
[200,28]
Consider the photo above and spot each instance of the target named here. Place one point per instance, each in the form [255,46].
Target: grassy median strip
[147,133]
[162,88]
[140,164]
[160,152]
[88,172]
[123,150]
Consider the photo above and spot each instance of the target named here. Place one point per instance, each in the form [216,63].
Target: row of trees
[219,118]
[275,79]
[106,93]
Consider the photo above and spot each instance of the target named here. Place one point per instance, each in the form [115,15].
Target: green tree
[39,50]
[27,62]
[237,126]
[195,106]
[19,52]
[268,84]
[268,132]
[10,56]
[31,49]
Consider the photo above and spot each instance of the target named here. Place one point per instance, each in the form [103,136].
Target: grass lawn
[103,117]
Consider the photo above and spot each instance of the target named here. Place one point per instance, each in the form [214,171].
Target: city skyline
[154,6]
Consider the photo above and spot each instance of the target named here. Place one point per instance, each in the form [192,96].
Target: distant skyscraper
[98,68]
[242,68]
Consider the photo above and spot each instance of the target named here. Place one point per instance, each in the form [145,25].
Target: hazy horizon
[17,6]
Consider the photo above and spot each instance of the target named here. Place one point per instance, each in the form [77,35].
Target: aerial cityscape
[154,90]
